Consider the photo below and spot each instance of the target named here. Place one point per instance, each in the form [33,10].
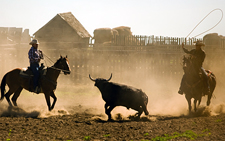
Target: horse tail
[3,84]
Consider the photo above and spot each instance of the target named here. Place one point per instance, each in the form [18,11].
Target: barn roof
[70,19]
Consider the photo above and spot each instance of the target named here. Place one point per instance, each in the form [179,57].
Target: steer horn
[110,77]
[91,78]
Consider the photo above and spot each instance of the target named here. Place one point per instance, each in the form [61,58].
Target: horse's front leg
[52,94]
[195,103]
[189,103]
[47,98]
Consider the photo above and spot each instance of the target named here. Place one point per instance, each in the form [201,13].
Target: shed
[63,30]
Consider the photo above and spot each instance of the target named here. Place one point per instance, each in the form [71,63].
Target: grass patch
[187,134]
[106,135]
[9,135]
[219,120]
[87,138]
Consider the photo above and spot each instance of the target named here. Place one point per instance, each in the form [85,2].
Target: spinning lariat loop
[203,20]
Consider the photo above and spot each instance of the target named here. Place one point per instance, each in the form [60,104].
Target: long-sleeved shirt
[34,55]
[198,57]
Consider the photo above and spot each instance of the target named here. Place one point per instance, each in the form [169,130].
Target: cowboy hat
[199,43]
[34,41]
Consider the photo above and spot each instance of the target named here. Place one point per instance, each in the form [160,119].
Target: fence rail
[128,64]
[138,40]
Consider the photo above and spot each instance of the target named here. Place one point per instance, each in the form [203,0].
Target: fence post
[160,40]
[140,40]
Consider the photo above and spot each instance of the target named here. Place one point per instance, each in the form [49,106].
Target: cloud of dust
[78,98]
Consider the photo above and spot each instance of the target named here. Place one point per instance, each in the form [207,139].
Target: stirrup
[37,90]
[180,92]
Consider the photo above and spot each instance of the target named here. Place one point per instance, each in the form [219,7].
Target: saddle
[209,73]
[28,74]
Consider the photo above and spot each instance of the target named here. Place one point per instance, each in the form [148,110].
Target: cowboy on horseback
[35,56]
[198,57]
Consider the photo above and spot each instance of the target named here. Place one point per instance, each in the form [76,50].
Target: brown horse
[47,82]
[194,85]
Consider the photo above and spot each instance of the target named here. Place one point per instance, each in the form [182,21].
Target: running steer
[121,95]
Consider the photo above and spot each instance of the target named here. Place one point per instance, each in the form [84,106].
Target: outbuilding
[64,30]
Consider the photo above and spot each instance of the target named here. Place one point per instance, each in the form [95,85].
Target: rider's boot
[206,79]
[180,92]
[37,90]
[182,85]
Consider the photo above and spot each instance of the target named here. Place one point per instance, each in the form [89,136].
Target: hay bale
[115,32]
[102,35]
[123,30]
[212,39]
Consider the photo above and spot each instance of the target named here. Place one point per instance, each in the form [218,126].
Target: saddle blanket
[25,72]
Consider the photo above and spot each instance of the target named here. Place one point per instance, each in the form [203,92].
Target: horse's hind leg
[209,99]
[16,95]
[7,95]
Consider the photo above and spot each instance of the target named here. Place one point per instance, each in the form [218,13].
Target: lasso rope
[203,20]
[49,59]
[53,63]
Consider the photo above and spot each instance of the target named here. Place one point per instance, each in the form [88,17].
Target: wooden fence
[139,40]
[132,64]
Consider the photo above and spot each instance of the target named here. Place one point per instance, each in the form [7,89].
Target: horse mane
[58,61]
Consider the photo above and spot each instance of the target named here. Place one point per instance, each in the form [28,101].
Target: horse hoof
[110,120]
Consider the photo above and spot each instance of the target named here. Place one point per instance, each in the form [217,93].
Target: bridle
[187,64]
[63,70]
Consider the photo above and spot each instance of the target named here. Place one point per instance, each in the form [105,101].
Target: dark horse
[48,82]
[195,86]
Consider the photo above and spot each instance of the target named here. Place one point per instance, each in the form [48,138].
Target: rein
[191,64]
[58,69]
[50,60]
[194,85]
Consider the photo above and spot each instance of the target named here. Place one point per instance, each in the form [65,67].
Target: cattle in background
[121,95]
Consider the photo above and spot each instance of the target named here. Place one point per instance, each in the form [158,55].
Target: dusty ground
[79,115]
[18,125]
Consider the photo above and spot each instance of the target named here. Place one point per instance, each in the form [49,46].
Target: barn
[64,30]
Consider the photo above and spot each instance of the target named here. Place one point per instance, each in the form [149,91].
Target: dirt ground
[79,115]
[19,125]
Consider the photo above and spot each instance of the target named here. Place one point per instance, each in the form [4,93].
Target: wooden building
[64,30]
[14,35]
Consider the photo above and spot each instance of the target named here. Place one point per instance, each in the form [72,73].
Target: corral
[79,114]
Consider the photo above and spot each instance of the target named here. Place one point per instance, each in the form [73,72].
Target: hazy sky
[174,18]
